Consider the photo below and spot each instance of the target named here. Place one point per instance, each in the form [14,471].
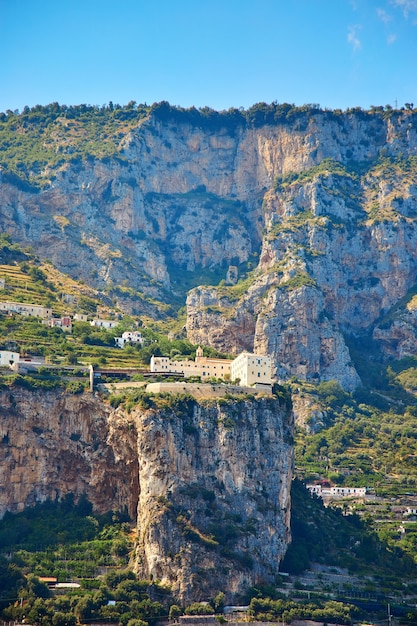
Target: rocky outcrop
[214,500]
[208,483]
[397,331]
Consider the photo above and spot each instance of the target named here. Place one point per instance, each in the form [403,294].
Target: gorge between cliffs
[207,483]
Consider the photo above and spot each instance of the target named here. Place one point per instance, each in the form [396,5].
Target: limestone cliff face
[321,206]
[338,252]
[53,444]
[397,332]
[214,500]
[207,482]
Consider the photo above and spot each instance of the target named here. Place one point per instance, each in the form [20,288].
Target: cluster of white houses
[249,369]
[65,322]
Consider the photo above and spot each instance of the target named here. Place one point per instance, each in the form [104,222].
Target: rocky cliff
[316,208]
[53,444]
[208,483]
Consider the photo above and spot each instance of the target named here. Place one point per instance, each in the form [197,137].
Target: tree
[120,547]
[63,619]
[198,608]
[218,602]
[174,611]
[84,608]
[37,588]
[37,612]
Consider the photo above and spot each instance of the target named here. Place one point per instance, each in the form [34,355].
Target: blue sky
[217,53]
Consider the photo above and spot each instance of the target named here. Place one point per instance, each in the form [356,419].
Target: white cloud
[383,16]
[353,38]
[391,38]
[408,7]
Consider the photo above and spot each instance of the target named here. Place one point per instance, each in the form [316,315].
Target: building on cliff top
[203,366]
[248,368]
[251,369]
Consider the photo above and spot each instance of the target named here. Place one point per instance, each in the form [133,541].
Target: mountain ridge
[292,197]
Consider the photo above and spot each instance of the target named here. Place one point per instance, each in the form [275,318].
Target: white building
[99,323]
[203,366]
[251,369]
[33,310]
[410,510]
[7,358]
[129,336]
[337,492]
[81,317]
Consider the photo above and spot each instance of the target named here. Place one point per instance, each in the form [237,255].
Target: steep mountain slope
[319,205]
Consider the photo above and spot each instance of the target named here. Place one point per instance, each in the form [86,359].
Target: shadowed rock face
[54,444]
[322,207]
[208,482]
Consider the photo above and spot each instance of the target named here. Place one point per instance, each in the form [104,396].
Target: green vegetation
[235,292]
[67,541]
[39,140]
[396,175]
[366,439]
[327,536]
[301,279]
[287,611]
[293,223]
[50,136]
[181,405]
[59,540]
[27,279]
[360,444]
[325,168]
